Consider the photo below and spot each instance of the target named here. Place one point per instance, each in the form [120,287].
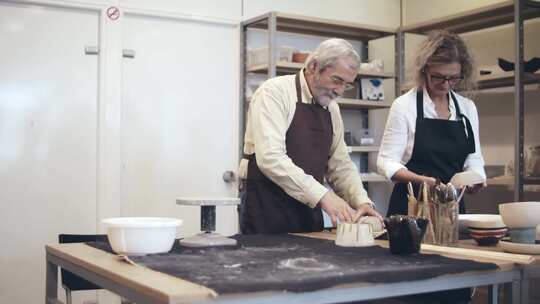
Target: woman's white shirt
[398,138]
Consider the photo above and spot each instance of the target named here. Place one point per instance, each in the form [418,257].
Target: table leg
[493,291]
[51,282]
[524,286]
[516,291]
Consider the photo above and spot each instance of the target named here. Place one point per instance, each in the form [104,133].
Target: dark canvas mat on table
[294,263]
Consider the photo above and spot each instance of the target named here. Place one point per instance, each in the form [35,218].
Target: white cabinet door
[48,127]
[180,117]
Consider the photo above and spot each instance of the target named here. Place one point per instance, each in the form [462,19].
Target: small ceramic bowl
[487,236]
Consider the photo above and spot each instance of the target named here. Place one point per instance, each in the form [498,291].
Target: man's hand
[366,209]
[337,208]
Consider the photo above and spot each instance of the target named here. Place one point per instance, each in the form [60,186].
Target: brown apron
[268,209]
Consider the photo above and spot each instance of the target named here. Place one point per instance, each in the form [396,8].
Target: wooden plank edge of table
[165,288]
[502,259]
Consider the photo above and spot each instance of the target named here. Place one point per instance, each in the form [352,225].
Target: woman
[432,132]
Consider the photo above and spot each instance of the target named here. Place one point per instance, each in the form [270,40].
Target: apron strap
[469,130]
[298,90]
[454,99]
[419,104]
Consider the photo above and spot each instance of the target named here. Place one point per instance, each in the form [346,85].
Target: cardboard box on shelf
[260,55]
[372,89]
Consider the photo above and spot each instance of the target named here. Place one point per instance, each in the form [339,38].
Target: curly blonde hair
[443,47]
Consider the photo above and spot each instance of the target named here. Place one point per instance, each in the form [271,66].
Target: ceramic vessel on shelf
[300,57]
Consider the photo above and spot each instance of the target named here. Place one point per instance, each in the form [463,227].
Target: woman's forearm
[405,176]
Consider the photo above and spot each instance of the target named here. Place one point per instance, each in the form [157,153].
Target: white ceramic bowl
[141,235]
[520,214]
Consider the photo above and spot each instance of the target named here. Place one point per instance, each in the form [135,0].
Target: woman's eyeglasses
[436,79]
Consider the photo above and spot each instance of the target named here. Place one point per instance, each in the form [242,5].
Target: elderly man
[293,140]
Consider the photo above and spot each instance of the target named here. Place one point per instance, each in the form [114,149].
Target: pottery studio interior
[256,151]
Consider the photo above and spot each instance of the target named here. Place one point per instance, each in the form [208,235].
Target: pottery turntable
[208,237]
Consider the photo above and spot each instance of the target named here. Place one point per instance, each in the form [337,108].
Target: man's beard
[324,99]
[325,96]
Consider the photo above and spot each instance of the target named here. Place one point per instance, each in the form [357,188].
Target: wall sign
[113,13]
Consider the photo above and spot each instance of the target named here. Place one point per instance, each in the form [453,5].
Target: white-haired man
[294,140]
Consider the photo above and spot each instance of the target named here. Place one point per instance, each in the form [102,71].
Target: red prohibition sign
[113,13]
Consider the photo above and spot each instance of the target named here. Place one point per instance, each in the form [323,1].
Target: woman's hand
[431,181]
[476,188]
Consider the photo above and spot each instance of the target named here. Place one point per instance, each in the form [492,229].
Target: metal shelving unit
[507,12]
[276,21]
[292,67]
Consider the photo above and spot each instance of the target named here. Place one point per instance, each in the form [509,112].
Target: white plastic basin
[520,214]
[141,235]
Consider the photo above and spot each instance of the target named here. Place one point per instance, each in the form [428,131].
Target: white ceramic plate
[520,248]
[466,178]
[479,221]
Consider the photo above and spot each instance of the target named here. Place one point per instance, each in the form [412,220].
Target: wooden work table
[143,285]
[530,263]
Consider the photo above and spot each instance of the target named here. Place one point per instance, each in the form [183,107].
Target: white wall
[417,10]
[385,13]
[222,9]
[48,135]
[62,127]
[180,120]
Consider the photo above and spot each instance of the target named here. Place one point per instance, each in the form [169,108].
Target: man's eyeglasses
[436,79]
[340,82]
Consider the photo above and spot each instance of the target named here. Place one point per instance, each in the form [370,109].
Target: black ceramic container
[405,233]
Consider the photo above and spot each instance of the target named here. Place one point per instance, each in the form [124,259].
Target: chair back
[70,280]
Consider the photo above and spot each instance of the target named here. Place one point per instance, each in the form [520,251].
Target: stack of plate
[485,229]
[487,236]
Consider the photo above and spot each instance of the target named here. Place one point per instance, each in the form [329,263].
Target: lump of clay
[354,235]
[375,223]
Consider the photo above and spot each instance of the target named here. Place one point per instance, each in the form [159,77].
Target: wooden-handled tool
[412,203]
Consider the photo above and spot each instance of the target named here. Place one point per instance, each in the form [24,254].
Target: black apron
[440,149]
[267,208]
